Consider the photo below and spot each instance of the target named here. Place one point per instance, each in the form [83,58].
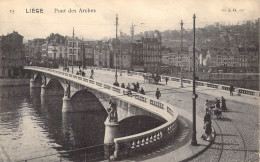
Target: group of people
[133,87]
[65,68]
[219,104]
[217,109]
[80,72]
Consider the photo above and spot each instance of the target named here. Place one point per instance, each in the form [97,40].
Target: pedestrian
[128,86]
[223,103]
[217,103]
[207,106]
[144,77]
[158,93]
[208,131]
[231,89]
[142,91]
[123,85]
[207,117]
[166,80]
[83,73]
[137,86]
[92,71]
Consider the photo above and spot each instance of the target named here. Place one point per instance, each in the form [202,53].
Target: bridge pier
[43,89]
[66,104]
[32,83]
[111,132]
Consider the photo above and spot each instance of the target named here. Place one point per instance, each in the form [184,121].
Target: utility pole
[121,58]
[116,83]
[72,49]
[181,53]
[82,52]
[194,95]
[132,44]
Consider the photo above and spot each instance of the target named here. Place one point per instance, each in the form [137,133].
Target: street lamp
[181,54]
[194,95]
[116,83]
[72,51]
[54,52]
[121,58]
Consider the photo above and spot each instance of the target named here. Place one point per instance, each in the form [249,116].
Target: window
[3,71]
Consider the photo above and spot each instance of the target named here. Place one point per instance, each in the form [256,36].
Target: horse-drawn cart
[152,79]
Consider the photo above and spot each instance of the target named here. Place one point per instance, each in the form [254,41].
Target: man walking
[157,94]
[137,86]
[231,89]
[166,80]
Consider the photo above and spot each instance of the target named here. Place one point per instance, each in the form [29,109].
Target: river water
[32,125]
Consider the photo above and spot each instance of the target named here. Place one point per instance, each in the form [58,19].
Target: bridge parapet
[220,87]
[140,141]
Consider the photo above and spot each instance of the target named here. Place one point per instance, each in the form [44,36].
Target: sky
[144,14]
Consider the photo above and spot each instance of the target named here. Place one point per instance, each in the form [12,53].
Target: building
[137,56]
[248,58]
[121,52]
[11,55]
[54,48]
[221,59]
[152,53]
[88,52]
[76,54]
[102,55]
[33,49]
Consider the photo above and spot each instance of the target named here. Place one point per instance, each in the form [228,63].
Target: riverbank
[14,82]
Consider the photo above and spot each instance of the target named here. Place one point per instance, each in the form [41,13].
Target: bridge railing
[141,141]
[220,87]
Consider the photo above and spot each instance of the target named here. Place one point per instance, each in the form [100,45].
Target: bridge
[118,105]
[240,123]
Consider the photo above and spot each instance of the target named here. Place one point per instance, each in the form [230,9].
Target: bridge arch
[85,100]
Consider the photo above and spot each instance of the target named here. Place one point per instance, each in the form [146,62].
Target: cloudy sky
[145,14]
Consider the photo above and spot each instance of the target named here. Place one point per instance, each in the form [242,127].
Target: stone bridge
[117,104]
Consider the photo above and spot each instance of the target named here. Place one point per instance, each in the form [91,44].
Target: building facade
[74,52]
[102,55]
[152,53]
[11,55]
[121,52]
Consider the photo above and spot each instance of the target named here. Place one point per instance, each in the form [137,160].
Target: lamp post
[54,52]
[121,58]
[72,58]
[64,60]
[181,54]
[116,83]
[194,95]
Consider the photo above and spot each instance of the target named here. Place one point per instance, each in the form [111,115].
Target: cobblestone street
[237,132]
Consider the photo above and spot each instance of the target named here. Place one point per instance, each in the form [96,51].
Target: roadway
[237,133]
